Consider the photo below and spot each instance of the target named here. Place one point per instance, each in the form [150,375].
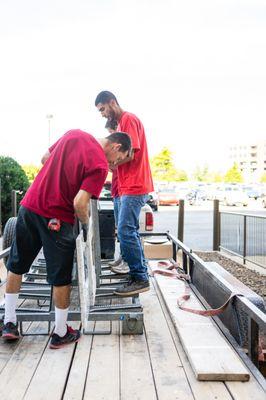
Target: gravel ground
[252,279]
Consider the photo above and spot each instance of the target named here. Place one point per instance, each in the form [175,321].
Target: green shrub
[12,177]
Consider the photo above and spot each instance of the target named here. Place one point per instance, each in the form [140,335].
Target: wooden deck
[146,367]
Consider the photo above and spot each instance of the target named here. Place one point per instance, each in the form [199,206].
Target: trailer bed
[149,366]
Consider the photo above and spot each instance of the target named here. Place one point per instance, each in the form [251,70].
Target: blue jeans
[128,227]
[116,201]
[117,204]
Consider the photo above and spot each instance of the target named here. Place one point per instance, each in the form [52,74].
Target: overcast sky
[194,71]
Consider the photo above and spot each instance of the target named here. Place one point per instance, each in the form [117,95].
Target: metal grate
[244,235]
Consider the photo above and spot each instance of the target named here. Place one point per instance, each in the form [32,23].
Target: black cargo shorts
[31,235]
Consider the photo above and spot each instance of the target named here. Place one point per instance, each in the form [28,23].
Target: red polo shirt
[77,161]
[134,177]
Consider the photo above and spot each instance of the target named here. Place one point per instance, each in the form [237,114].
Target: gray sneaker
[133,287]
[122,268]
[115,263]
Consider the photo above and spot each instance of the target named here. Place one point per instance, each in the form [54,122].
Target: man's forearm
[83,214]
[81,206]
[127,159]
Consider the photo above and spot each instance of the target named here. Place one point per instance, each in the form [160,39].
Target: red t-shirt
[77,161]
[134,177]
[115,192]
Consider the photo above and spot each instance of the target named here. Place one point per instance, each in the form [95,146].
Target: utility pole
[49,117]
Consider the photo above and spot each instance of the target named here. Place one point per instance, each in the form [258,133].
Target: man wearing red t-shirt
[111,126]
[134,184]
[74,171]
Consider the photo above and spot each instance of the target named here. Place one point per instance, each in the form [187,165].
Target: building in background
[251,159]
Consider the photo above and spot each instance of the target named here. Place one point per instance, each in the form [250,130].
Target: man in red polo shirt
[74,171]
[134,184]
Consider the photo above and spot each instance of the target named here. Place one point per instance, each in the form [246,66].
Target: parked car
[168,197]
[196,197]
[153,201]
[218,193]
[252,192]
[235,196]
[183,192]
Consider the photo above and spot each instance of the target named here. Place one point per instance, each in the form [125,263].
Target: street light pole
[49,117]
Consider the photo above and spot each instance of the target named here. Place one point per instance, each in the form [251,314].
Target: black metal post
[184,259]
[191,266]
[180,232]
[14,203]
[245,240]
[253,341]
[216,226]
[174,251]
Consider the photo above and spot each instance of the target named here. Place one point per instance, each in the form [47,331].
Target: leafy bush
[12,177]
[31,171]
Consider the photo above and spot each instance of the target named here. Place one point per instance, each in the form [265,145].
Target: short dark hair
[121,138]
[111,124]
[104,97]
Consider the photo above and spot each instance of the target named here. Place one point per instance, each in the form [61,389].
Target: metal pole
[253,341]
[245,239]
[216,226]
[49,117]
[174,251]
[14,203]
[49,132]
[180,232]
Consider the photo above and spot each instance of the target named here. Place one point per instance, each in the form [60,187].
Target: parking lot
[198,219]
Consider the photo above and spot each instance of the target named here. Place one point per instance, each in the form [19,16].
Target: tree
[217,177]
[31,171]
[182,175]
[233,175]
[201,174]
[163,168]
[263,178]
[12,177]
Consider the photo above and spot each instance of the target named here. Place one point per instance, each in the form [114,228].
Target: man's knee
[127,233]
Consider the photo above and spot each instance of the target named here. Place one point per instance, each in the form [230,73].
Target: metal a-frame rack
[95,282]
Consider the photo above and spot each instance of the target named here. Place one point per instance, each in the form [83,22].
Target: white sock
[61,321]
[11,300]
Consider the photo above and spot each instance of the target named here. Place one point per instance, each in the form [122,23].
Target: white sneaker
[122,268]
[115,263]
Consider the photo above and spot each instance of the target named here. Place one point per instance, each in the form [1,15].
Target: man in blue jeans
[118,265]
[134,184]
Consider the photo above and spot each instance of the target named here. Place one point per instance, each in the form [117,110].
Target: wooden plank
[210,355]
[169,375]
[16,375]
[201,390]
[77,376]
[246,390]
[90,257]
[210,390]
[51,374]
[8,348]
[103,374]
[82,283]
[86,275]
[137,381]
